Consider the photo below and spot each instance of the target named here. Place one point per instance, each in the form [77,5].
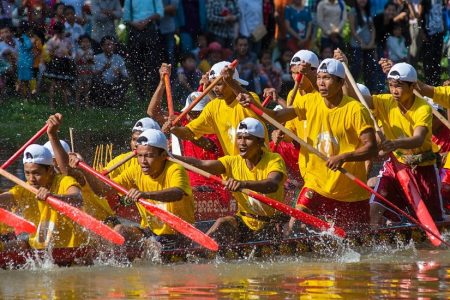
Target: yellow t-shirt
[173,175]
[223,120]
[94,205]
[235,167]
[52,227]
[398,125]
[333,131]
[442,96]
[116,172]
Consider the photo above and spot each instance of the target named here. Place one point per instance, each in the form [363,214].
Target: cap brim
[242,81]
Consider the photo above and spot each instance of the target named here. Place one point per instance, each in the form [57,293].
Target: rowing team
[227,136]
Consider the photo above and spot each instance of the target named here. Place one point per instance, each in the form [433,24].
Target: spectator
[36,12]
[210,56]
[251,20]
[396,45]
[326,52]
[37,58]
[363,54]
[72,29]
[298,25]
[144,44]
[247,67]
[60,69]
[168,27]
[404,12]
[376,6]
[223,21]
[6,9]
[24,60]
[104,13]
[283,64]
[8,54]
[269,75]
[188,77]
[78,7]
[84,59]
[111,77]
[269,23]
[331,17]
[431,16]
[58,17]
[202,46]
[192,21]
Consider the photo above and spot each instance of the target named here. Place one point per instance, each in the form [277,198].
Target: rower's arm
[416,141]
[72,196]
[214,167]
[7,201]
[266,186]
[154,109]
[205,143]
[167,195]
[61,156]
[183,133]
[280,116]
[425,89]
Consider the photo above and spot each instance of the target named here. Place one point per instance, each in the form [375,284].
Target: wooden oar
[19,152]
[172,220]
[298,214]
[298,80]
[202,95]
[352,177]
[169,95]
[71,139]
[18,223]
[435,112]
[266,101]
[72,213]
[106,171]
[408,184]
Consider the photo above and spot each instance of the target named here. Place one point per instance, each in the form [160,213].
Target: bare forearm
[167,195]
[154,110]
[214,167]
[61,156]
[206,144]
[183,133]
[409,143]
[425,89]
[266,186]
[72,199]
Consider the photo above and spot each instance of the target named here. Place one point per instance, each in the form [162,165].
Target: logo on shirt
[327,144]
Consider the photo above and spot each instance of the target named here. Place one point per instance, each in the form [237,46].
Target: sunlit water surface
[382,273]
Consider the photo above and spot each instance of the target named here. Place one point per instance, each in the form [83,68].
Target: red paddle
[352,177]
[168,94]
[19,152]
[203,94]
[298,214]
[174,221]
[18,223]
[72,213]
[266,101]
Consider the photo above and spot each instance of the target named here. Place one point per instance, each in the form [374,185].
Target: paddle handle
[298,80]
[172,220]
[201,96]
[106,171]
[169,94]
[304,217]
[266,101]
[18,223]
[71,212]
[11,160]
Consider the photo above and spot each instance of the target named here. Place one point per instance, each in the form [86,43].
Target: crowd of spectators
[90,52]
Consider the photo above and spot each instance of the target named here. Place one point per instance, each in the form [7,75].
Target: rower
[340,127]
[140,126]
[407,125]
[165,183]
[93,205]
[52,228]
[211,199]
[255,168]
[222,115]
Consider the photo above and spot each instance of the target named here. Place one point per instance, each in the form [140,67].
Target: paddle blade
[295,213]
[19,224]
[181,226]
[416,202]
[86,220]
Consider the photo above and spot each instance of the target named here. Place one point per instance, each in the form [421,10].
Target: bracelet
[125,201]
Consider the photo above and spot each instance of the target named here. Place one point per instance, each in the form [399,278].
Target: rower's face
[249,145]
[329,85]
[151,159]
[222,90]
[134,136]
[400,90]
[38,175]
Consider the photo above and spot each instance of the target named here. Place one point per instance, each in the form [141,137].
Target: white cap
[200,105]
[306,56]
[332,66]
[153,137]
[403,72]
[146,123]
[217,69]
[363,89]
[251,126]
[37,154]
[66,147]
